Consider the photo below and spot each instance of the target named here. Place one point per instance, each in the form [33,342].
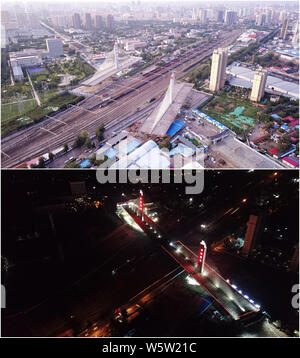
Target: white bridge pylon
[112,58]
[167,101]
[116,53]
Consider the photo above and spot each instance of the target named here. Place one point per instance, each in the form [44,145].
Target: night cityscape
[83,259]
[149,176]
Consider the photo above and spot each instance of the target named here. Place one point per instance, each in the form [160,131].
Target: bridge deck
[221,290]
[233,301]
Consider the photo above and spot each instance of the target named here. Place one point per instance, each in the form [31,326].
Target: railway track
[124,99]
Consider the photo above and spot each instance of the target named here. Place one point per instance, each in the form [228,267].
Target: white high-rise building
[295,39]
[258,85]
[54,48]
[203,15]
[230,17]
[284,29]
[218,68]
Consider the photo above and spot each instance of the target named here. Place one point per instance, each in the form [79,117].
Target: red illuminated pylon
[202,255]
[141,203]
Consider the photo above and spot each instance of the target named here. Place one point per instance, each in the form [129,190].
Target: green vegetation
[77,67]
[5,72]
[235,113]
[37,114]
[44,80]
[269,59]
[45,96]
[93,160]
[284,107]
[20,91]
[194,141]
[41,163]
[72,164]
[200,73]
[83,139]
[165,144]
[10,110]
[99,132]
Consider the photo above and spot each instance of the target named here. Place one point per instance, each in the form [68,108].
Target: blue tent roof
[275,116]
[175,127]
[85,164]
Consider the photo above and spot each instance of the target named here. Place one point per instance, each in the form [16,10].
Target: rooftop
[243,77]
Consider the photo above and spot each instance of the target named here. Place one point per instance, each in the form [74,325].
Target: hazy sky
[145,1]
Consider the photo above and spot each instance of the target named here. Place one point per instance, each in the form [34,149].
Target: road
[126,95]
[36,96]
[135,303]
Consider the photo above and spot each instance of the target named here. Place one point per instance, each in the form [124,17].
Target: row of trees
[84,139]
[200,73]
[5,72]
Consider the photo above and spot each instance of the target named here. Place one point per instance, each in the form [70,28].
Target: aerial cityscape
[149,171]
[82,259]
[146,84]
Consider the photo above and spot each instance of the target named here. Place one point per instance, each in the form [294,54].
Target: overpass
[235,303]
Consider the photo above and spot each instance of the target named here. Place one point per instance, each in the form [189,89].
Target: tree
[41,162]
[99,132]
[88,143]
[281,114]
[78,142]
[51,156]
[66,148]
[72,164]
[166,144]
[93,160]
[264,117]
[80,139]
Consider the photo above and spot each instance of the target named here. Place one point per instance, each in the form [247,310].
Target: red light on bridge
[141,202]
[202,255]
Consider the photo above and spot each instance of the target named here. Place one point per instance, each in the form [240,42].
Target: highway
[124,96]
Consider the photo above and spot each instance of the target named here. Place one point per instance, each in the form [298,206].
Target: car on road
[127,314]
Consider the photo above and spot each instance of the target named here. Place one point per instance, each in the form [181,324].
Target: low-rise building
[291,162]
[18,73]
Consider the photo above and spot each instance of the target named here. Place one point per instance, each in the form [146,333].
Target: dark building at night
[294,263]
[253,230]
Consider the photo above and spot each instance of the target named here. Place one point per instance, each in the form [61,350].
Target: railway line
[121,100]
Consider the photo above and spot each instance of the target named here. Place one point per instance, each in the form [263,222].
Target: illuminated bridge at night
[233,301]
